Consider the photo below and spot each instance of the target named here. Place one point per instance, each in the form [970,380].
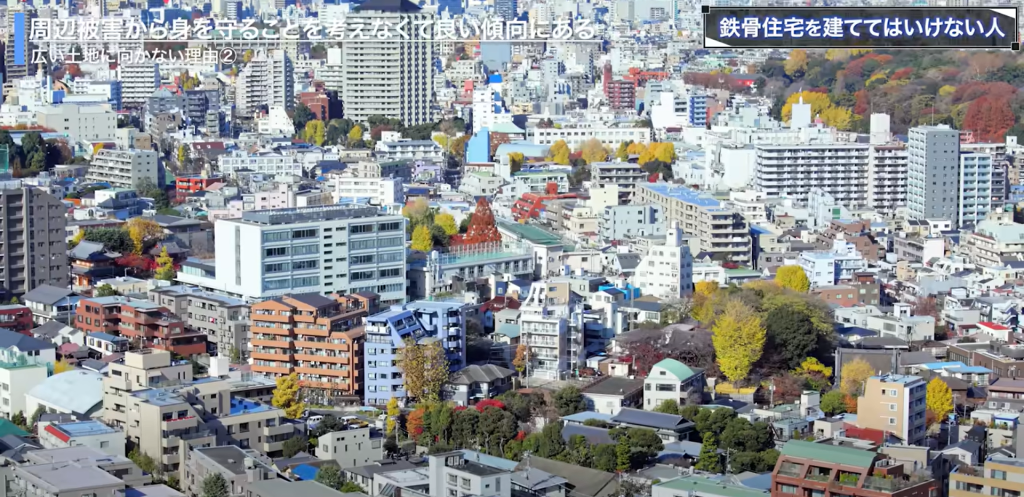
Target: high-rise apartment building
[319,338]
[342,249]
[981,188]
[124,168]
[138,82]
[17,47]
[507,10]
[387,77]
[267,80]
[666,271]
[894,404]
[34,247]
[887,177]
[933,172]
[840,169]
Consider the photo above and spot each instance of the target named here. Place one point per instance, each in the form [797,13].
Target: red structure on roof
[530,205]
[482,228]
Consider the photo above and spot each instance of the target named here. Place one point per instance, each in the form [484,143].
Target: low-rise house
[611,393]
[669,427]
[106,344]
[352,447]
[240,467]
[59,333]
[672,380]
[475,383]
[15,381]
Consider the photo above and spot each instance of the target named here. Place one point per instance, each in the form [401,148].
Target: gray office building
[32,229]
[933,166]
[507,10]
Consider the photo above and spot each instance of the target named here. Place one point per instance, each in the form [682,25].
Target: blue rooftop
[85,428]
[245,406]
[897,378]
[106,337]
[305,472]
[956,366]
[759,230]
[682,193]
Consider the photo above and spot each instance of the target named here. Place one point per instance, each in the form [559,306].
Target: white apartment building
[376,191]
[481,183]
[887,177]
[409,150]
[269,163]
[621,222]
[332,73]
[328,249]
[840,169]
[16,381]
[993,241]
[124,168]
[381,77]
[79,122]
[666,272]
[977,197]
[555,346]
[268,79]
[625,175]
[138,82]
[91,433]
[578,133]
[751,206]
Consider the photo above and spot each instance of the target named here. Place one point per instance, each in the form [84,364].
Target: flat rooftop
[229,457]
[245,406]
[297,215]
[84,428]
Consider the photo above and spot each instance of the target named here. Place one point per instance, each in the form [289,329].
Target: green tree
[302,116]
[351,488]
[793,278]
[286,396]
[329,475]
[143,461]
[235,355]
[833,402]
[19,419]
[422,239]
[294,445]
[165,267]
[793,336]
[214,485]
[35,416]
[668,406]
[604,457]
[104,290]
[550,441]
[113,239]
[709,459]
[569,400]
[623,453]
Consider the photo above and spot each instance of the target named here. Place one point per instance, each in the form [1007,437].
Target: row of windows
[391,241]
[378,258]
[300,282]
[296,250]
[280,267]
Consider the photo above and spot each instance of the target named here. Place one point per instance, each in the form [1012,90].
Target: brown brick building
[151,326]
[319,338]
[100,314]
[809,469]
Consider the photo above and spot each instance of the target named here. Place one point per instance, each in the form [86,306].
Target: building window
[787,489]
[892,421]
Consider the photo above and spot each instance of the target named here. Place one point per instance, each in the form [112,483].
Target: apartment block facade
[342,249]
[721,232]
[124,168]
[887,177]
[809,468]
[319,338]
[982,187]
[151,326]
[840,169]
[418,321]
[933,167]
[268,79]
[895,404]
[999,475]
[34,248]
[100,314]
[224,320]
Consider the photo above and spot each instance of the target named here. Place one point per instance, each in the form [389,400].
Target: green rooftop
[530,233]
[9,428]
[829,453]
[680,370]
[702,485]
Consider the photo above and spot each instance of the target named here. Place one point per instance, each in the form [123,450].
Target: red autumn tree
[902,73]
[482,227]
[863,103]
[414,423]
[989,119]
[484,404]
[977,89]
[134,262]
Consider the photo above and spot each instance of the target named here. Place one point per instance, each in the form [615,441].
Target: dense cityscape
[526,248]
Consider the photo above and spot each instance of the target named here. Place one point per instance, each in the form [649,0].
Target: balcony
[280,429]
[179,423]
